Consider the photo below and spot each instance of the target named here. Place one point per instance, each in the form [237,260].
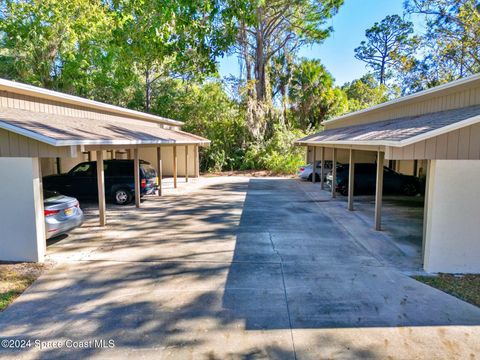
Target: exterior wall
[14,145]
[22,226]
[462,144]
[452,234]
[342,155]
[17,101]
[466,94]
[149,154]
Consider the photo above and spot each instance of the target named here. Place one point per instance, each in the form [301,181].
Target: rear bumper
[54,228]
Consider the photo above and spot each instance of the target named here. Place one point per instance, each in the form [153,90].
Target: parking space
[235,268]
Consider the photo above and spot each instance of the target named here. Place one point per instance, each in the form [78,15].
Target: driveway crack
[285,294]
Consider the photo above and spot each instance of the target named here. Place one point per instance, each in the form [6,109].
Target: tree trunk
[148,85]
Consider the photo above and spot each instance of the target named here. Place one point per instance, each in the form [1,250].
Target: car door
[83,180]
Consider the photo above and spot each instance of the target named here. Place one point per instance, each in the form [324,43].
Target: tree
[313,94]
[364,92]
[171,38]
[53,43]
[266,29]
[452,40]
[389,45]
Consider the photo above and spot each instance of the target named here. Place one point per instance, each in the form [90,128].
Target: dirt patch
[248,173]
[465,287]
[15,278]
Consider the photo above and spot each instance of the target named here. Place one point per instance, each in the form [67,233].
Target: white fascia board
[127,142]
[24,89]
[54,142]
[430,134]
[28,133]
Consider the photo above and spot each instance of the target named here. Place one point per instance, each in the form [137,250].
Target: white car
[305,171]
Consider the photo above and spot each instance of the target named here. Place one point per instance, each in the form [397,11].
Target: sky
[337,51]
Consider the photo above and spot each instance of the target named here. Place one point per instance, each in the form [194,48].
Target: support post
[334,172]
[314,164]
[101,189]
[425,208]
[186,163]
[175,166]
[136,169]
[379,191]
[160,170]
[322,170]
[196,161]
[351,179]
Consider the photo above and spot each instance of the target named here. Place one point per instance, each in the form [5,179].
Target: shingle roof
[397,132]
[61,130]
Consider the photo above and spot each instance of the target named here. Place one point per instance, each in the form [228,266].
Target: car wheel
[344,192]
[122,197]
[409,189]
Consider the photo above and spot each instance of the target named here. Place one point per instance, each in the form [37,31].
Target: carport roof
[62,130]
[397,132]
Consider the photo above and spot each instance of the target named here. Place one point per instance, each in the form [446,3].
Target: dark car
[81,181]
[365,181]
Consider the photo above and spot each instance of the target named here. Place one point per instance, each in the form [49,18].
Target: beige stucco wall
[452,234]
[22,226]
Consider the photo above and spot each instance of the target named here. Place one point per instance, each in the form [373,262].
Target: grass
[465,287]
[15,279]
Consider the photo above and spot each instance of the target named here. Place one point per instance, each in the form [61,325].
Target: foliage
[451,44]
[313,94]
[278,154]
[389,46]
[364,92]
[207,111]
[266,30]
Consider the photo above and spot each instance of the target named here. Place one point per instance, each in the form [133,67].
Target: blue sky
[337,52]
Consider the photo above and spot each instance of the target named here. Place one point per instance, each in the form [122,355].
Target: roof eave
[29,90]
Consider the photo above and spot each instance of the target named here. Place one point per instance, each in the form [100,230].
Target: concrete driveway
[238,268]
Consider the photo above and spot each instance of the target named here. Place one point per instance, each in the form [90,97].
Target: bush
[278,154]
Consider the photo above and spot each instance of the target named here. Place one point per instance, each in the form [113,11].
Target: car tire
[317,178]
[344,192]
[123,197]
[409,189]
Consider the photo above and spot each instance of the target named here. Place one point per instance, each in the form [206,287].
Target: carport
[41,129]
[437,130]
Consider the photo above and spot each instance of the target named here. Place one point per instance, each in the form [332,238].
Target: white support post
[160,170]
[379,190]
[101,189]
[322,171]
[314,164]
[136,169]
[334,172]
[186,163]
[351,179]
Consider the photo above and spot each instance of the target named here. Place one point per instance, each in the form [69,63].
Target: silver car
[62,213]
[305,171]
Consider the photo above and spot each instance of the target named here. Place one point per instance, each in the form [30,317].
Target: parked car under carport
[394,183]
